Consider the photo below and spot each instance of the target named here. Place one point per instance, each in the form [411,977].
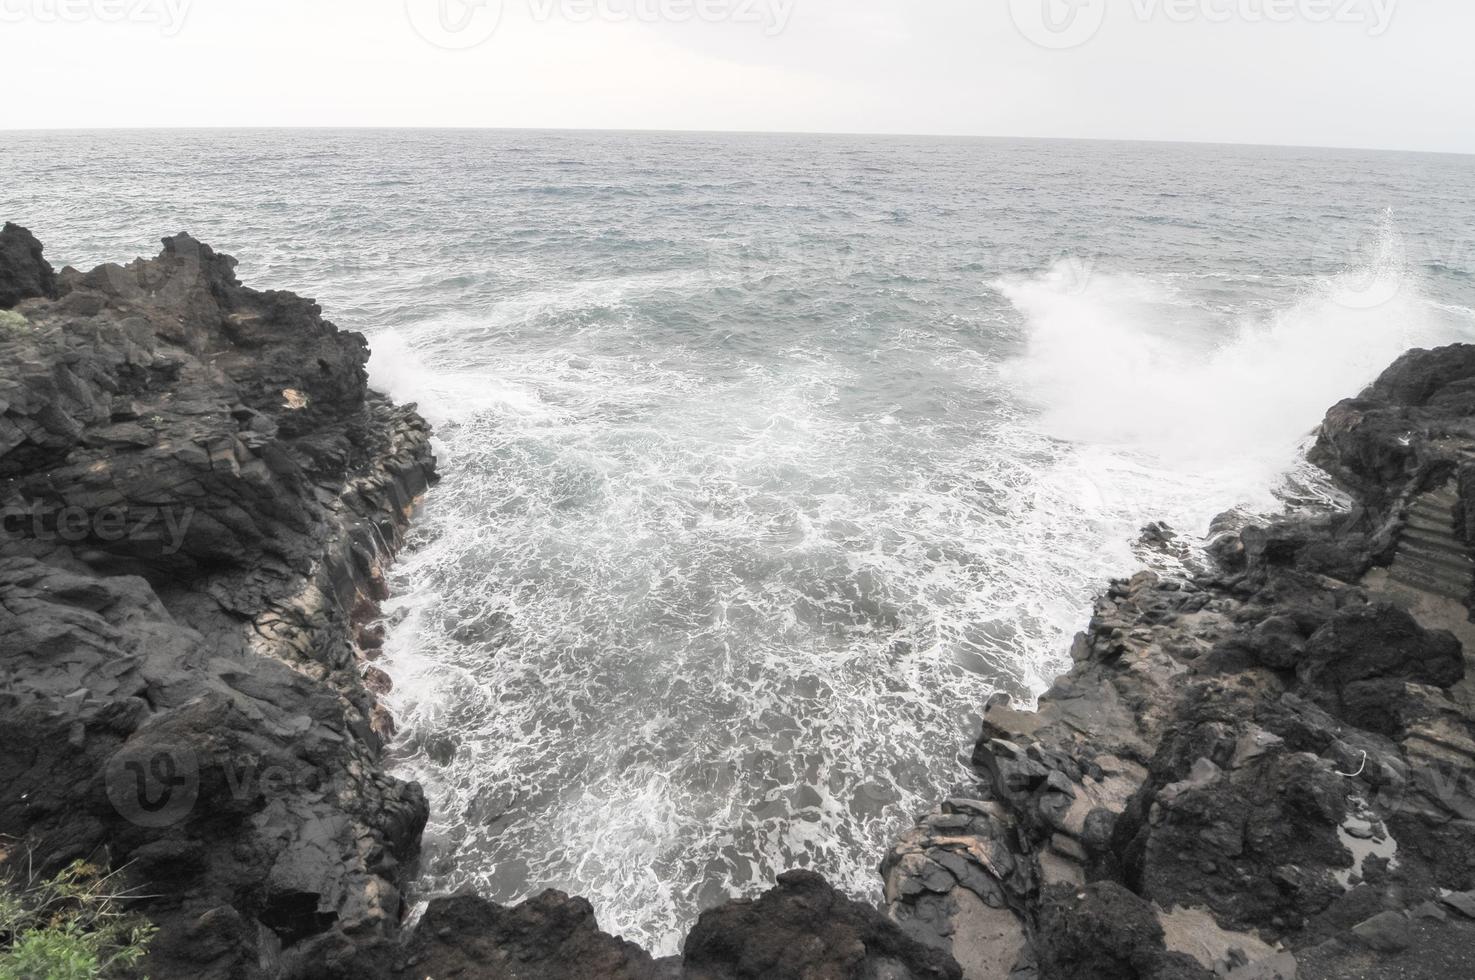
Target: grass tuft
[71,927]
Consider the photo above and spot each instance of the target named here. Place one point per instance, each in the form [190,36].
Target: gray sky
[1375,73]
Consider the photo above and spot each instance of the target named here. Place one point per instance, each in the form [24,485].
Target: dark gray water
[769,458]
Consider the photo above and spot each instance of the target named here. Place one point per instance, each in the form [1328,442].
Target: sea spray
[682,619]
[1179,412]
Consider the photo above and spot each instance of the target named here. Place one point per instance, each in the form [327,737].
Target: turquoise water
[769,458]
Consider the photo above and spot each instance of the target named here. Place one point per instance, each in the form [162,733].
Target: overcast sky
[1366,73]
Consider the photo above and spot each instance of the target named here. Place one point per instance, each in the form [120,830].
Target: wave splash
[682,617]
[1180,408]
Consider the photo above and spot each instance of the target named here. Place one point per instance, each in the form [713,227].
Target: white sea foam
[1177,416]
[681,619]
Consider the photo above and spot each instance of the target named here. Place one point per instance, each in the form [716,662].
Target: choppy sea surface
[769,459]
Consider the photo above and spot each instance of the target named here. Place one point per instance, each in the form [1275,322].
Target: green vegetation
[71,927]
[12,322]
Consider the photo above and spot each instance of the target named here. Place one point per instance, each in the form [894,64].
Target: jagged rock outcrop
[805,930]
[550,937]
[801,930]
[199,494]
[24,272]
[1264,770]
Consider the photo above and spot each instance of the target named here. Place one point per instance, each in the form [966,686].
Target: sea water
[769,459]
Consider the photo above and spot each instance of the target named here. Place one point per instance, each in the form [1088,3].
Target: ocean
[770,458]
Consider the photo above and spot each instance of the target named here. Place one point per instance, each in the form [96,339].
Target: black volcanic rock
[1379,641]
[1264,770]
[24,274]
[805,930]
[199,495]
[801,930]
[550,937]
[1399,429]
[1105,932]
[1427,378]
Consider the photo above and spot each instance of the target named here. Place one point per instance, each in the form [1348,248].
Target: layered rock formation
[199,493]
[1262,770]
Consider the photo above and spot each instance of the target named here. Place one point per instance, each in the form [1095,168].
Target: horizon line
[729,132]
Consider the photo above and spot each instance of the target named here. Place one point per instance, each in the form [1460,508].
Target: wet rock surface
[1262,769]
[549,937]
[199,495]
[804,929]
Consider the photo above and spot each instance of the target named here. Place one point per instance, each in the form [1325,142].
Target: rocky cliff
[199,494]
[1259,768]
[1264,769]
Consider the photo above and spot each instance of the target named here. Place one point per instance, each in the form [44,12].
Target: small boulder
[24,274]
[1380,641]
[805,928]
[1387,932]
